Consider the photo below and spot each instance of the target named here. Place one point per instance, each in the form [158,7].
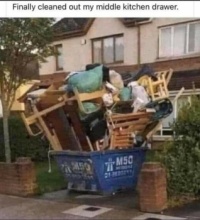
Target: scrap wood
[156,127]
[178,94]
[38,114]
[28,124]
[166,73]
[95,96]
[55,144]
[89,143]
[34,85]
[129,116]
[132,123]
[71,110]
[121,141]
[158,89]
[120,126]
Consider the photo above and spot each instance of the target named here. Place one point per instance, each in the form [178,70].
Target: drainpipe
[138,46]
[139,39]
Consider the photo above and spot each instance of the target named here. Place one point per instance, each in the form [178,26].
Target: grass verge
[49,182]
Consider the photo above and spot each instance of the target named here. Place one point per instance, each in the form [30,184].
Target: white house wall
[76,55]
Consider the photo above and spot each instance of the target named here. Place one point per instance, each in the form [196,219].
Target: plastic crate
[103,172]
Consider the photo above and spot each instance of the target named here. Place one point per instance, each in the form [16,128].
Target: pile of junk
[98,123]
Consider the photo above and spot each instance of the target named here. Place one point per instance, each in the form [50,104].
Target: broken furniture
[60,112]
[157,89]
[92,97]
[102,149]
[124,127]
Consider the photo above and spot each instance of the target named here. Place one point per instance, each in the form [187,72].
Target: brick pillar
[152,188]
[18,178]
[27,176]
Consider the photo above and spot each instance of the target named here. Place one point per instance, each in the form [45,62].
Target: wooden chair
[157,89]
[93,96]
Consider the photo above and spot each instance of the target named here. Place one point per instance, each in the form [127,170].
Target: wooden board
[55,122]
[72,110]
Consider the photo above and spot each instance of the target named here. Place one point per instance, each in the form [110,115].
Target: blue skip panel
[103,172]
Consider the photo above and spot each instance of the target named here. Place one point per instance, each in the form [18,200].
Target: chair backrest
[89,96]
[81,97]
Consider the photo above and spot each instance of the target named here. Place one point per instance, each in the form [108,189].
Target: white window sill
[162,138]
[178,57]
[114,64]
[59,71]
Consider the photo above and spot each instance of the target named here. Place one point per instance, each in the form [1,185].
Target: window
[59,57]
[167,122]
[108,49]
[179,40]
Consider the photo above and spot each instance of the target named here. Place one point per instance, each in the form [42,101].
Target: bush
[182,157]
[21,144]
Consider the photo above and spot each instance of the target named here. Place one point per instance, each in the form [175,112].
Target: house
[124,45]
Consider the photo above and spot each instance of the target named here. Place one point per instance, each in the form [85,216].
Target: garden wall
[18,178]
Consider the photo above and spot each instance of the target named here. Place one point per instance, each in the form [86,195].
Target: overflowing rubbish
[98,123]
[99,109]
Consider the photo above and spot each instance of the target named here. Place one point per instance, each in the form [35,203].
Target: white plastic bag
[116,79]
[139,95]
[111,88]
[137,104]
[138,92]
[107,99]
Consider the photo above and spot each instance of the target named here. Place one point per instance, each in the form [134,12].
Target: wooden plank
[45,111]
[123,146]
[91,96]
[132,123]
[54,144]
[135,114]
[55,92]
[131,115]
[72,110]
[124,141]
[89,143]
[65,131]
[178,94]
[28,127]
[51,99]
[154,130]
[133,129]
[58,121]
[134,120]
[122,136]
[138,128]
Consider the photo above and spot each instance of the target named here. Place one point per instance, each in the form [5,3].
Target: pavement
[12,207]
[61,205]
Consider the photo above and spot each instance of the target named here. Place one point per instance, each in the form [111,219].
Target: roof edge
[76,33]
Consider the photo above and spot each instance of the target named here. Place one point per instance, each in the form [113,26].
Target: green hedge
[182,157]
[22,145]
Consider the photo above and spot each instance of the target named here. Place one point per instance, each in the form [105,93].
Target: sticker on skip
[120,166]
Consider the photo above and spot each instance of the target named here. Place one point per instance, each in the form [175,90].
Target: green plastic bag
[87,81]
[89,107]
[125,94]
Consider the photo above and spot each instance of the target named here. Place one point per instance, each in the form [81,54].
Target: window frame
[101,39]
[57,55]
[172,39]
